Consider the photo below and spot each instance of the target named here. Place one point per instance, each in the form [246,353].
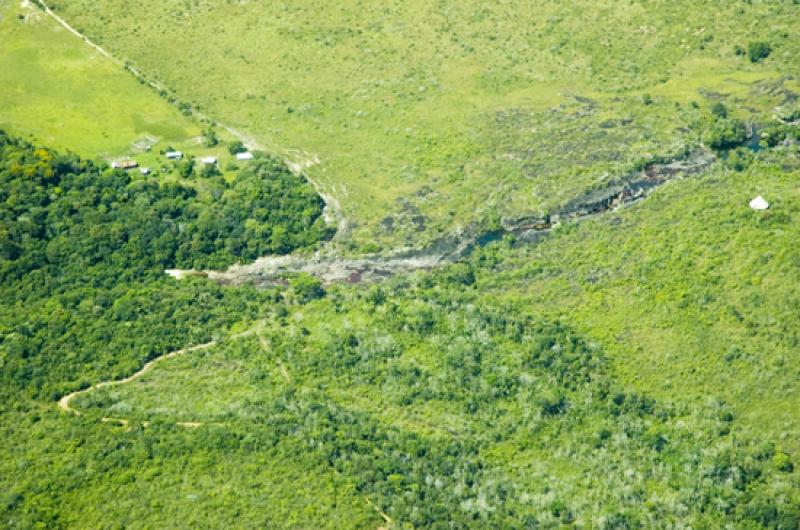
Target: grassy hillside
[631,371]
[547,425]
[694,294]
[429,115]
[60,91]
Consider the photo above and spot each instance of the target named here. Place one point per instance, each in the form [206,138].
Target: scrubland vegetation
[436,114]
[636,368]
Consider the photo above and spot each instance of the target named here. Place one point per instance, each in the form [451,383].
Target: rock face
[180,274]
[330,268]
[759,203]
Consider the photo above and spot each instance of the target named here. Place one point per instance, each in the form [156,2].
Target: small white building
[759,203]
[209,160]
[174,155]
[144,170]
[247,155]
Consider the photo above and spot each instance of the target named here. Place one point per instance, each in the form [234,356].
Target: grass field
[404,102]
[693,294]
[690,297]
[57,91]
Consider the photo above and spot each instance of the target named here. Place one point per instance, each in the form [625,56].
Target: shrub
[209,170]
[725,134]
[783,462]
[210,136]
[758,51]
[552,403]
[186,168]
[719,110]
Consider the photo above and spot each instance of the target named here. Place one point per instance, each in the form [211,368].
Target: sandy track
[64,402]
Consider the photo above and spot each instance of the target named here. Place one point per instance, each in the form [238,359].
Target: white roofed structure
[759,203]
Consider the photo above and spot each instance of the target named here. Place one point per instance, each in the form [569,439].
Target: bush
[783,462]
[738,159]
[211,137]
[725,134]
[209,170]
[719,110]
[186,168]
[758,51]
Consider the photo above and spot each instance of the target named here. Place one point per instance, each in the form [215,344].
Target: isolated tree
[719,110]
[211,137]
[236,147]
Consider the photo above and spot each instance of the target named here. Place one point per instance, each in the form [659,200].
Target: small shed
[144,170]
[174,155]
[209,160]
[124,164]
[247,155]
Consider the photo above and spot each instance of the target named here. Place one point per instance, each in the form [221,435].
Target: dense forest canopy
[61,212]
[83,250]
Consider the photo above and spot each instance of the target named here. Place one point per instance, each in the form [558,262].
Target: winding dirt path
[65,402]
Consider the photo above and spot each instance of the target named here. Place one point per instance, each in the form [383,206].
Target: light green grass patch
[62,93]
[693,293]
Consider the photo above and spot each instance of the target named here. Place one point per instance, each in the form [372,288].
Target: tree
[719,110]
[211,137]
[725,134]
[236,147]
[306,288]
[209,170]
[186,168]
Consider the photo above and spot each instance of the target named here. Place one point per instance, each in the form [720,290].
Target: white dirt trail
[65,402]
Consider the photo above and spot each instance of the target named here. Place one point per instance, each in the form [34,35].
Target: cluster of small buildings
[174,155]
[130,164]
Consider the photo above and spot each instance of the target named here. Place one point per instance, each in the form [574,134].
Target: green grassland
[59,92]
[694,294]
[679,364]
[637,369]
[405,103]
